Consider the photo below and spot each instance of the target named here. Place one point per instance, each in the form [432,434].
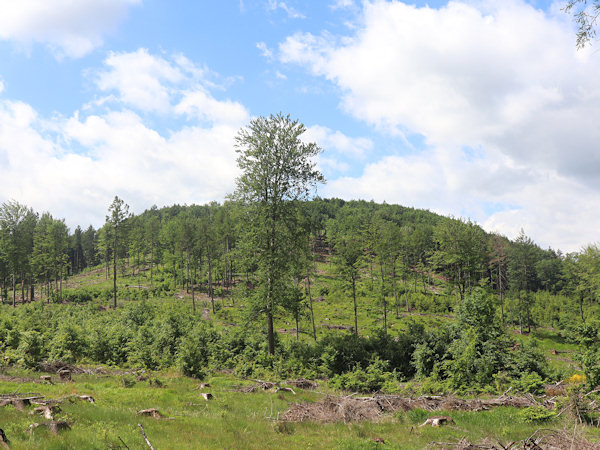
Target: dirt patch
[353,409]
[303,384]
[336,327]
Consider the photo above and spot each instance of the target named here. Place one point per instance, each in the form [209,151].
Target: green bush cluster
[471,353]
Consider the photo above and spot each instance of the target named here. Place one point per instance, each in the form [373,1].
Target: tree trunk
[193,296]
[151,262]
[310,302]
[32,289]
[210,289]
[383,301]
[14,286]
[355,307]
[115,271]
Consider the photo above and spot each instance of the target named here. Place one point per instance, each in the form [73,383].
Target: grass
[231,420]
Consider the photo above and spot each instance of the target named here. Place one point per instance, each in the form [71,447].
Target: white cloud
[502,77]
[264,50]
[291,12]
[200,104]
[338,142]
[142,80]
[342,4]
[164,85]
[1,86]
[70,28]
[74,166]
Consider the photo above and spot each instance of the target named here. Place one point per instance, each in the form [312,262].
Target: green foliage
[31,349]
[531,383]
[536,414]
[68,344]
[371,379]
[194,352]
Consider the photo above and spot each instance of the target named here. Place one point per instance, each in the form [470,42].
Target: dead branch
[144,435]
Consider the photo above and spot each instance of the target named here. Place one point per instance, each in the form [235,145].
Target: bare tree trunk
[384,303]
[14,283]
[310,303]
[210,288]
[193,296]
[115,271]
[355,306]
[151,262]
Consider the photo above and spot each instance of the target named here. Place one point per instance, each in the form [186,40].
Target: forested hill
[410,244]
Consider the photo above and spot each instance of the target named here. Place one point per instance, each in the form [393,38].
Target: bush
[531,383]
[31,349]
[194,351]
[79,295]
[536,414]
[68,344]
[371,379]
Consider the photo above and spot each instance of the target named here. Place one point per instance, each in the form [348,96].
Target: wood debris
[46,411]
[437,421]
[355,409]
[151,412]
[54,426]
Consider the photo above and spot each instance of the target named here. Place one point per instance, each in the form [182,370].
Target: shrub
[536,414]
[530,382]
[371,379]
[79,295]
[68,344]
[194,351]
[31,349]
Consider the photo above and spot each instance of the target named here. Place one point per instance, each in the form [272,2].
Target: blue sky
[476,108]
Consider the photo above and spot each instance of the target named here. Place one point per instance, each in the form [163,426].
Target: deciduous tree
[277,171]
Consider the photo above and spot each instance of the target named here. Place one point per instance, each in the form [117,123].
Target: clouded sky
[482,109]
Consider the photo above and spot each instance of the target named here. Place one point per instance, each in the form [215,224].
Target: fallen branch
[145,438]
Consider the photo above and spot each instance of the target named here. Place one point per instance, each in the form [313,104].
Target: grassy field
[232,419]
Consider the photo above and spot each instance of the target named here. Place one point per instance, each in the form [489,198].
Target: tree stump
[46,411]
[152,412]
[53,426]
[206,396]
[3,439]
[437,421]
[47,379]
[64,375]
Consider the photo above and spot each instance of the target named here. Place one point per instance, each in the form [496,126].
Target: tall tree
[18,222]
[523,255]
[586,14]
[277,171]
[461,253]
[118,214]
[348,255]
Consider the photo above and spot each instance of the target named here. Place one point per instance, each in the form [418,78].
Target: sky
[478,109]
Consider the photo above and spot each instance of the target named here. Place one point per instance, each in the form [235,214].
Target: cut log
[54,426]
[207,396]
[64,375]
[152,412]
[285,389]
[437,421]
[47,379]
[46,411]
